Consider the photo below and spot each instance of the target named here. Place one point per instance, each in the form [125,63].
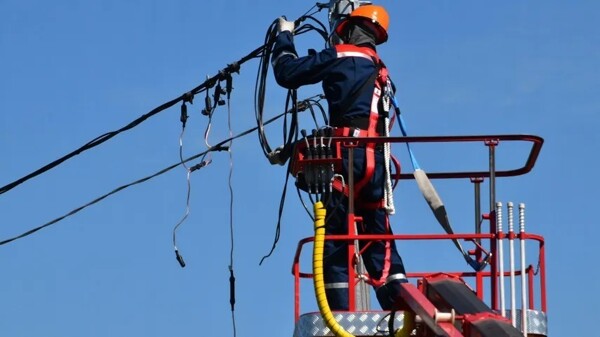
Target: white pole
[500,256]
[523,267]
[511,241]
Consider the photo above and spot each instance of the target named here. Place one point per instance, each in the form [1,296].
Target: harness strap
[381,80]
[349,132]
[350,50]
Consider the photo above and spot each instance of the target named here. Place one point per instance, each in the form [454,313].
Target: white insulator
[522,217]
[500,257]
[499,216]
[523,270]
[513,290]
[509,205]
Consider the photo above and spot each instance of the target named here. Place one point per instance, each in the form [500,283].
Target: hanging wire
[231,199]
[289,132]
[187,200]
[234,67]
[189,171]
[308,212]
[259,52]
[217,147]
[279,215]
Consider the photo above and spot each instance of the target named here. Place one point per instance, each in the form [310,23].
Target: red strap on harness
[350,50]
[345,50]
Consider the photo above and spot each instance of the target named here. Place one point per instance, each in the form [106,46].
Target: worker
[349,72]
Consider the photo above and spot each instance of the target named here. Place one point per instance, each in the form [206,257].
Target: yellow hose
[318,280]
[407,326]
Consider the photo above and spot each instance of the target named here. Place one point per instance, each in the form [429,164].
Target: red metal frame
[471,319]
[536,146]
[420,305]
[298,274]
[411,295]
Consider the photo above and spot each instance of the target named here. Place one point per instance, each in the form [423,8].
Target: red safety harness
[346,50]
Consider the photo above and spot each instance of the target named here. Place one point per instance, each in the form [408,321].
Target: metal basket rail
[532,276]
[535,272]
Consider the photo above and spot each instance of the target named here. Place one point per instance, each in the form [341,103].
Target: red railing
[476,177]
[532,271]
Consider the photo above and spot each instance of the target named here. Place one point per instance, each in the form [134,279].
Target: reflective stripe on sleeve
[275,60]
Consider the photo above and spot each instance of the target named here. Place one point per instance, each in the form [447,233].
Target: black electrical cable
[260,86]
[304,204]
[93,143]
[290,139]
[231,228]
[259,99]
[261,80]
[218,147]
[178,256]
[314,116]
[279,215]
[259,52]
[188,96]
[391,323]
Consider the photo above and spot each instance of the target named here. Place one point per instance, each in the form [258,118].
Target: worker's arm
[292,71]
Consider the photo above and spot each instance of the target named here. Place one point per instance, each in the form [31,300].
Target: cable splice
[184,115]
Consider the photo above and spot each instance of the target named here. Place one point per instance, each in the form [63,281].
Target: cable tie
[200,165]
[220,148]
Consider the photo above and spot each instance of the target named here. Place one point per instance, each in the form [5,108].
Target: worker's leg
[335,261]
[381,257]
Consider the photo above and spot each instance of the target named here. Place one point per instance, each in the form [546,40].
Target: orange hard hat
[377,15]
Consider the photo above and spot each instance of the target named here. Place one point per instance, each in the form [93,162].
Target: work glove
[284,25]
[277,156]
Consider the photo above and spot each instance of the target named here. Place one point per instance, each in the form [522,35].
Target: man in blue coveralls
[353,80]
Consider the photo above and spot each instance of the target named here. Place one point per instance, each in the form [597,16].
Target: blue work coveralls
[341,77]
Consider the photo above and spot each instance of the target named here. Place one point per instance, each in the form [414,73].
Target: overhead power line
[188,96]
[217,147]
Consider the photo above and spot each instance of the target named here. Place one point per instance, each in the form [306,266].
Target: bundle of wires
[290,132]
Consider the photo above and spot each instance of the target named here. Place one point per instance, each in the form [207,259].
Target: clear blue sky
[72,70]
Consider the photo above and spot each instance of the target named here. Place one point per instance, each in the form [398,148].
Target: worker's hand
[284,25]
[277,157]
